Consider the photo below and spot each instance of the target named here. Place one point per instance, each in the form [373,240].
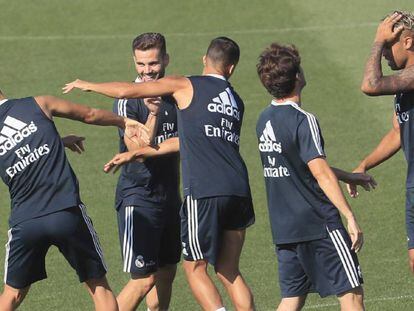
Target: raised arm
[53,106]
[177,86]
[329,184]
[374,82]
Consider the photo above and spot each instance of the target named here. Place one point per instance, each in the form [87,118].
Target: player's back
[209,132]
[33,163]
[289,138]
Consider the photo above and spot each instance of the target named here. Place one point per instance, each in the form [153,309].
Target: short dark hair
[278,68]
[223,51]
[150,40]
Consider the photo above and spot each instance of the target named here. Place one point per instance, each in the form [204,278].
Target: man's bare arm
[329,184]
[163,87]
[169,146]
[388,146]
[53,106]
[376,84]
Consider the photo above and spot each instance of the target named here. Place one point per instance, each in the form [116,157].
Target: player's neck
[2,97]
[294,98]
[213,71]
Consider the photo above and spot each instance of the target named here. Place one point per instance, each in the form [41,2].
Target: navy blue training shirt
[404,109]
[289,138]
[209,132]
[33,163]
[155,181]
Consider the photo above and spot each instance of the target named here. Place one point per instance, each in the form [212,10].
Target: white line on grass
[321,306]
[188,34]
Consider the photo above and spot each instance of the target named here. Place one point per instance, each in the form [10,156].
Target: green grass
[44,44]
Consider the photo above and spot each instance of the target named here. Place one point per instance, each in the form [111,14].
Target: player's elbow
[90,116]
[369,89]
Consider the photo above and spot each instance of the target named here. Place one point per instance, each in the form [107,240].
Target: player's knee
[14,297]
[353,299]
[226,271]
[198,266]
[145,283]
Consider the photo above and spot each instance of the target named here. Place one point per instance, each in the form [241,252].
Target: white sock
[221,309]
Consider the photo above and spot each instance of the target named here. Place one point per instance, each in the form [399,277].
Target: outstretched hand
[77,84]
[118,160]
[74,143]
[386,31]
[360,179]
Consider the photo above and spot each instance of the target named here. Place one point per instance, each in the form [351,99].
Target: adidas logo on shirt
[13,132]
[268,140]
[225,104]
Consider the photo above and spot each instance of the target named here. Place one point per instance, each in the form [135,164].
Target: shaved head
[223,52]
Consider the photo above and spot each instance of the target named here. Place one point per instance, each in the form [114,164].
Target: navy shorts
[327,266]
[409,216]
[204,220]
[71,230]
[149,237]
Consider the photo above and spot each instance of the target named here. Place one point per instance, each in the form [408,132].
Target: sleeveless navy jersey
[209,133]
[33,163]
[289,138]
[155,181]
[404,109]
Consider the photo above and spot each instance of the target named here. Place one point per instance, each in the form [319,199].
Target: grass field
[44,44]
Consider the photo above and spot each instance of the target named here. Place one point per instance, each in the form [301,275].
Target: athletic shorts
[204,220]
[327,266]
[149,237]
[71,230]
[409,217]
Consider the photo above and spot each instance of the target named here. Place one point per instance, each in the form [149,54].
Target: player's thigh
[140,230]
[170,244]
[200,229]
[231,245]
[409,217]
[331,264]
[235,213]
[293,280]
[81,248]
[26,250]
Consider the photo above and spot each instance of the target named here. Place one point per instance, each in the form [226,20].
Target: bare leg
[201,285]
[352,300]
[134,292]
[102,295]
[158,298]
[11,297]
[411,259]
[292,304]
[227,270]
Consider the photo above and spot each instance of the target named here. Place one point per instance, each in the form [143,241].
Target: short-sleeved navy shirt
[289,138]
[155,181]
[404,109]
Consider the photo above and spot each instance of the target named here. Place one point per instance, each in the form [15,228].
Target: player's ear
[166,59]
[409,43]
[231,69]
[205,60]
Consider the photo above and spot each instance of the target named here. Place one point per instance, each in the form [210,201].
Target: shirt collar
[216,76]
[288,102]
[3,101]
